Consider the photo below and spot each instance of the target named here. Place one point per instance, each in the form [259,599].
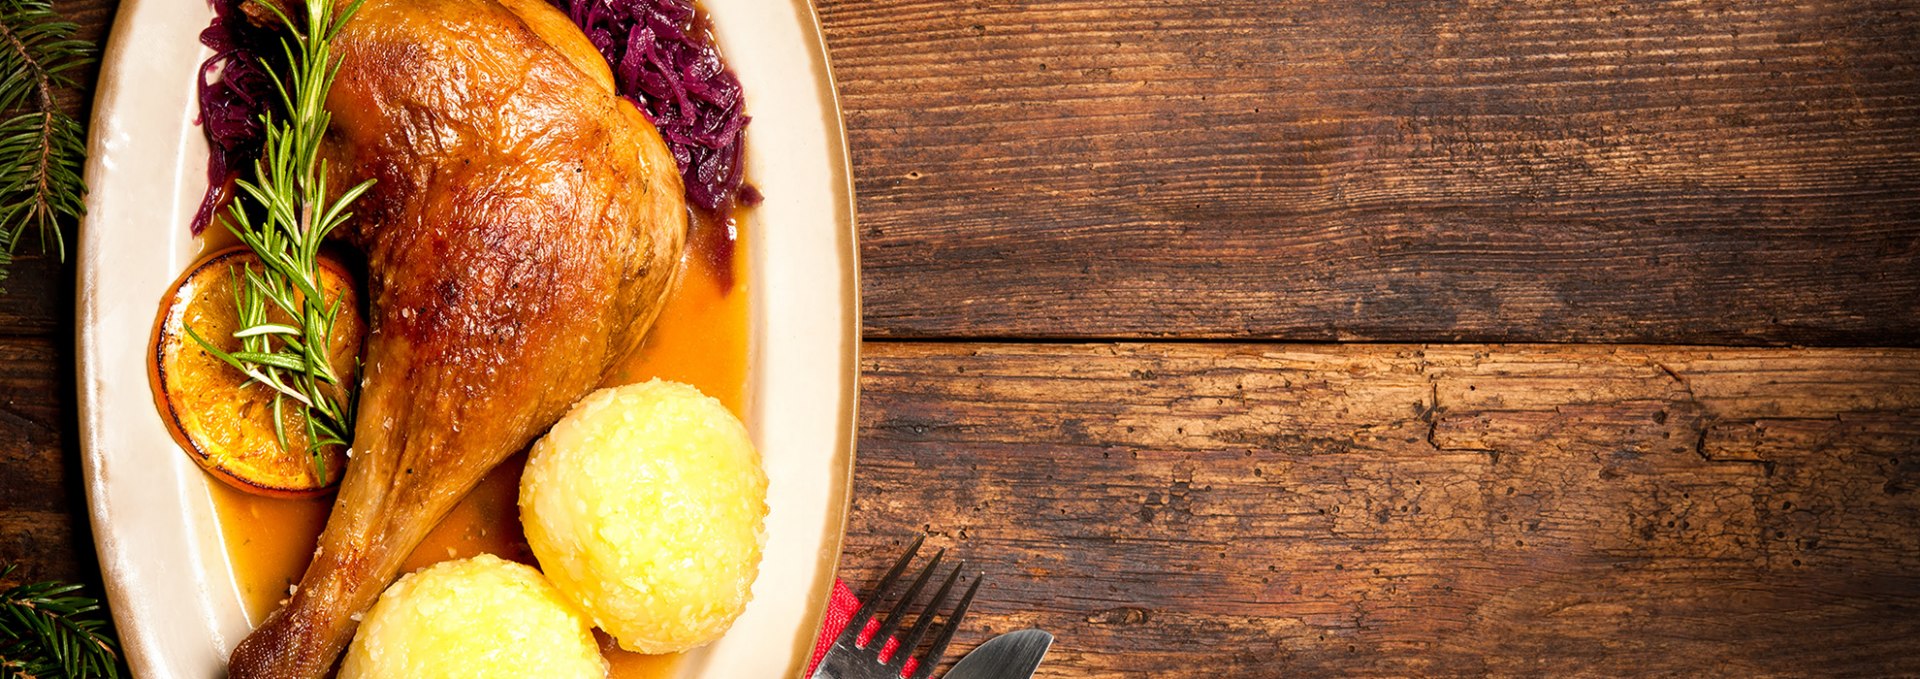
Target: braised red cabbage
[235,90]
[664,60]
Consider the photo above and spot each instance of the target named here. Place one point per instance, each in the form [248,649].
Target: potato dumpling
[646,506]
[473,618]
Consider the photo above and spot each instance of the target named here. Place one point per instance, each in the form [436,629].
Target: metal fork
[849,660]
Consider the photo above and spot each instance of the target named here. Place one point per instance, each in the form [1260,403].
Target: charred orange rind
[222,419]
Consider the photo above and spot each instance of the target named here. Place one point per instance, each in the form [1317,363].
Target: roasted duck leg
[521,237]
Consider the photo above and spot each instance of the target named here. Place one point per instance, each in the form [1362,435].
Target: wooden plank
[1699,172]
[1204,510]
[36,297]
[43,513]
[1305,510]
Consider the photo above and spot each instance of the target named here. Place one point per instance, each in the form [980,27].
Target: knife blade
[1014,655]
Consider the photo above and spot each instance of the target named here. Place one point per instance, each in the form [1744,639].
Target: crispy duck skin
[520,239]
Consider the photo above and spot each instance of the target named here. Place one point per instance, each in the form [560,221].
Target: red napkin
[840,610]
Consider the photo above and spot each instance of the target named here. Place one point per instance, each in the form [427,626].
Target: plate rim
[846,201]
[138,645]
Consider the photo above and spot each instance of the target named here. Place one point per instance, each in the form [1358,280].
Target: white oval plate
[167,575]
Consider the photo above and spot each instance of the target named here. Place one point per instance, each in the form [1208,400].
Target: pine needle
[41,149]
[48,630]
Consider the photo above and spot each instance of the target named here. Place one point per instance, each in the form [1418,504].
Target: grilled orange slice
[221,418]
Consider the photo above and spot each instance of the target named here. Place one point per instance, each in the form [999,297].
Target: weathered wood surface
[1280,511]
[43,517]
[1669,172]
[1298,510]
[1723,171]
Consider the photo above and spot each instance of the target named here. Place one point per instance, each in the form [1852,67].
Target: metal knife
[1014,655]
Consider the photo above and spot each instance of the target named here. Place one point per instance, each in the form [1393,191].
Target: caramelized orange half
[223,419]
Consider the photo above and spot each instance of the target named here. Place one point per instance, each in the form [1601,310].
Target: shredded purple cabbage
[235,89]
[662,59]
[665,62]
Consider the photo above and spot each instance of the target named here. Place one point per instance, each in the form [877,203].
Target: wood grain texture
[1715,172]
[43,513]
[1669,172]
[1181,510]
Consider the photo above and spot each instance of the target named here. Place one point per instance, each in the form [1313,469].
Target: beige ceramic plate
[168,579]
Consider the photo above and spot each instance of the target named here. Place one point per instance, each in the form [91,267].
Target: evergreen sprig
[48,630]
[41,149]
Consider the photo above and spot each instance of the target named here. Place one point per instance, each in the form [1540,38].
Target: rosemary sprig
[282,213]
[41,149]
[48,630]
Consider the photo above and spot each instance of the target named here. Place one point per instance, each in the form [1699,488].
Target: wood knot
[1125,615]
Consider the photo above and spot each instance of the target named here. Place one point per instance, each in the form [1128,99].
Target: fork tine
[892,623]
[925,669]
[920,627]
[860,617]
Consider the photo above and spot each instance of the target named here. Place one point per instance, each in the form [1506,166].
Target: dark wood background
[1275,339]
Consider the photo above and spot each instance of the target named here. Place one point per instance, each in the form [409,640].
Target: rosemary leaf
[268,329]
[281,361]
[283,214]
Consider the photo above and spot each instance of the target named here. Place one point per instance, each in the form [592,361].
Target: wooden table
[1275,339]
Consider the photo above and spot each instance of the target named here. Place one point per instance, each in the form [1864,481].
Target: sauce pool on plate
[701,338]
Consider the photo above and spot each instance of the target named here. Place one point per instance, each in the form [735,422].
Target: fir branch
[41,149]
[47,630]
